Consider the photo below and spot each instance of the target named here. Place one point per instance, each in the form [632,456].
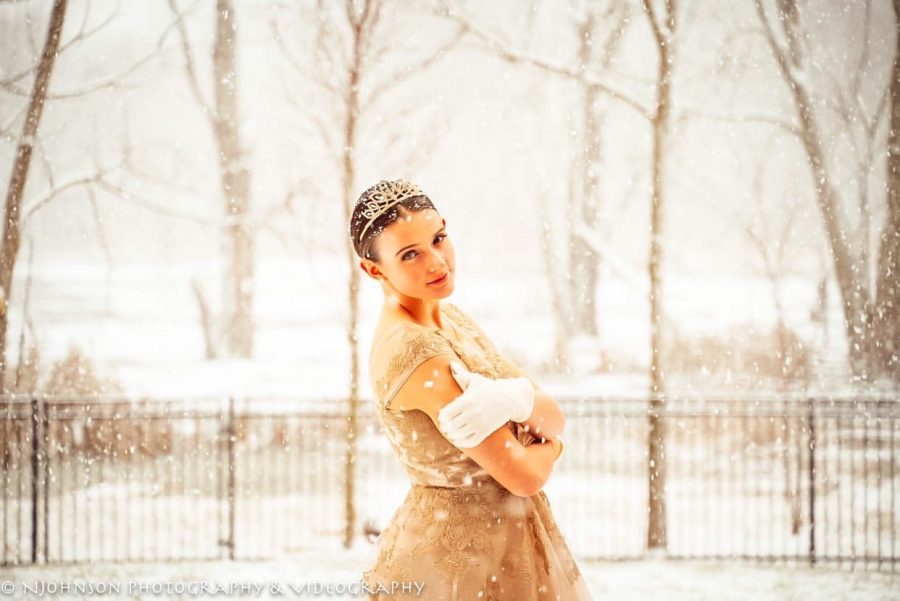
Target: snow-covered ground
[646,579]
[140,325]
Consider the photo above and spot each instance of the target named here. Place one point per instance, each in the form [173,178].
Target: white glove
[484,406]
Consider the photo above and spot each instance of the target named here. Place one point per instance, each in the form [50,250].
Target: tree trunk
[19,176]
[558,289]
[207,323]
[886,315]
[582,258]
[348,183]
[850,275]
[656,469]
[235,183]
[851,279]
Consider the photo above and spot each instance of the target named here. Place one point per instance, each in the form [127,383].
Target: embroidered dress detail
[458,530]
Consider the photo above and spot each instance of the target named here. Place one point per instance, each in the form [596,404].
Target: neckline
[452,330]
[447,322]
[443,311]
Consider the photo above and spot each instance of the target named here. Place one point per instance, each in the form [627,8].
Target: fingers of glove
[450,411]
[459,405]
[481,425]
[472,420]
[469,442]
[467,436]
[474,414]
[455,414]
[457,435]
[457,419]
[456,425]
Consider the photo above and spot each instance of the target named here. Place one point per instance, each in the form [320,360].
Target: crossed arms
[523,470]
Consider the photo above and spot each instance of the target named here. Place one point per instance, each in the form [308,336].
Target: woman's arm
[547,419]
[523,470]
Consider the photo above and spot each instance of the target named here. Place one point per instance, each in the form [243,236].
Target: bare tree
[350,42]
[584,264]
[663,27]
[886,319]
[770,237]
[599,30]
[849,253]
[224,118]
[596,83]
[19,176]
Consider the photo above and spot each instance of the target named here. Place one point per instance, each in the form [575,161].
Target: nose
[438,265]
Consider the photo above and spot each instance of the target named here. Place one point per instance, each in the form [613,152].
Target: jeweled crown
[383,195]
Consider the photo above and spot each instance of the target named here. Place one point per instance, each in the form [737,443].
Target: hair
[365,248]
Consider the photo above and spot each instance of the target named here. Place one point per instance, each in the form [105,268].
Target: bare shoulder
[389,324]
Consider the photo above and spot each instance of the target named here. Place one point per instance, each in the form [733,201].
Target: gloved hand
[484,406]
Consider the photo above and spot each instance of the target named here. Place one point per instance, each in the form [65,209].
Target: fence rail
[115,480]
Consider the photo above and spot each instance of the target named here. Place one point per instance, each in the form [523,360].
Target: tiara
[383,195]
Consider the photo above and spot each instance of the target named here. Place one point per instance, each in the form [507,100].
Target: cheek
[409,271]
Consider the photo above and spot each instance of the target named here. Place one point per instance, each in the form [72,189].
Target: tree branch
[774,120]
[188,58]
[559,70]
[111,83]
[79,37]
[422,65]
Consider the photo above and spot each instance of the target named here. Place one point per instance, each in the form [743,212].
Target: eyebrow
[411,245]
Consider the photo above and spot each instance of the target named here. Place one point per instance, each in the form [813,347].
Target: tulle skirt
[479,542]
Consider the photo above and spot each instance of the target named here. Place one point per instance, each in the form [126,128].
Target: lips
[440,280]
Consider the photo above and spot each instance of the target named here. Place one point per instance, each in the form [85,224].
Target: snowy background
[529,124]
[111,264]
[647,579]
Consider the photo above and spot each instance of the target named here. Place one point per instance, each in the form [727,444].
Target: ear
[370,269]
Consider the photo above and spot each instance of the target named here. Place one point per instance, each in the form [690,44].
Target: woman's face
[414,251]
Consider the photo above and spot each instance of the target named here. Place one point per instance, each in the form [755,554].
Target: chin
[443,291]
[439,293]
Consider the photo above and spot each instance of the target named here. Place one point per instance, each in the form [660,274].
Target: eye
[439,238]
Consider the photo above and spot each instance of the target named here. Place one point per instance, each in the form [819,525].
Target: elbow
[529,489]
[555,421]
[529,484]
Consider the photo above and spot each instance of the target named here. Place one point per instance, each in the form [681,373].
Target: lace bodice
[458,530]
[428,457]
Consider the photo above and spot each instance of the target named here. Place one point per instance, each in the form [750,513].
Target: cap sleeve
[394,360]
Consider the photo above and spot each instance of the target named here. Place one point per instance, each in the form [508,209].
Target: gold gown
[458,530]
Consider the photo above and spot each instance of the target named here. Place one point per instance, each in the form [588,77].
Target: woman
[460,416]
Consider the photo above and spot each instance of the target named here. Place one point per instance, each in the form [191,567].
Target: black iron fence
[115,480]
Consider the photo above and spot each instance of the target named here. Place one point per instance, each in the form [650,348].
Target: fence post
[45,453]
[231,467]
[35,471]
[811,432]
